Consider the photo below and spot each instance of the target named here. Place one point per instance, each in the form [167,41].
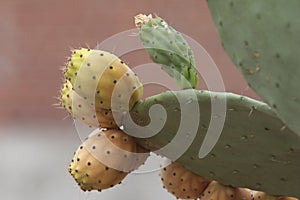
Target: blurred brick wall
[36,37]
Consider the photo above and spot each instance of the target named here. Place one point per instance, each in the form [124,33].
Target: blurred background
[37,140]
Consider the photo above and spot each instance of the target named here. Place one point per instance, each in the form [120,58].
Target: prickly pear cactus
[262,39]
[253,140]
[255,149]
[167,47]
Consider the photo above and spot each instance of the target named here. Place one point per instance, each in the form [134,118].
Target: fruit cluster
[99,88]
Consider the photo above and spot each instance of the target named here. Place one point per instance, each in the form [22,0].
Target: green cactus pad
[167,47]
[262,39]
[255,150]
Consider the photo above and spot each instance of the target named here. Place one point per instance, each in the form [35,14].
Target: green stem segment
[167,47]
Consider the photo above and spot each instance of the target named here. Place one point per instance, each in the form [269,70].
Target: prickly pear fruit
[265,196]
[80,109]
[167,47]
[65,94]
[181,182]
[216,191]
[74,63]
[104,159]
[103,79]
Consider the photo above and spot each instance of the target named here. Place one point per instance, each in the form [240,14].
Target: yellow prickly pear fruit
[265,196]
[181,182]
[216,191]
[104,159]
[103,79]
[80,109]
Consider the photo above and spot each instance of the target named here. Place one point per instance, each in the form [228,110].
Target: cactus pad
[167,47]
[262,39]
[255,150]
